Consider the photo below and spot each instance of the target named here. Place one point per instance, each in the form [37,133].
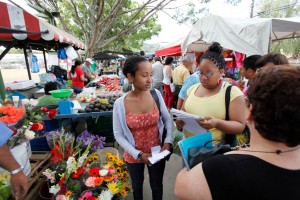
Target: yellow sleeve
[235,92]
[192,88]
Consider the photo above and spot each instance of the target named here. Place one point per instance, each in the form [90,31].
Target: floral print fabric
[144,129]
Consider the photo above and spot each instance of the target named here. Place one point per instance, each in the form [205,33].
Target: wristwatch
[17,170]
[140,155]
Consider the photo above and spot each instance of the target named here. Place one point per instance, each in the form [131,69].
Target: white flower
[103,172]
[105,195]
[29,134]
[25,102]
[71,164]
[54,189]
[81,160]
[33,102]
[50,175]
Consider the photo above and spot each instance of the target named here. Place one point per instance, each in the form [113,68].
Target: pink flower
[60,197]
[90,182]
[86,195]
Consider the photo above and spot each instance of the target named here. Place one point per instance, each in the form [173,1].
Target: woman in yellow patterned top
[207,99]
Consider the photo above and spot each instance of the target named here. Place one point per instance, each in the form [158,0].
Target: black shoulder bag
[155,97]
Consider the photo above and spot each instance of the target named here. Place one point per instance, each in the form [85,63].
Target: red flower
[36,127]
[44,109]
[91,198]
[52,114]
[62,180]
[56,155]
[14,131]
[63,189]
[78,173]
[94,172]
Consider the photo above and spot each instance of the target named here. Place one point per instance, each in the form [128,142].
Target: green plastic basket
[62,93]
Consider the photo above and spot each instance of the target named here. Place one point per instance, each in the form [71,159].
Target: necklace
[278,151]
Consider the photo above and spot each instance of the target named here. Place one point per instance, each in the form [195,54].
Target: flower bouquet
[77,172]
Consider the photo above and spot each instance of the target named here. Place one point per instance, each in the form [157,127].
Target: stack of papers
[157,155]
[190,123]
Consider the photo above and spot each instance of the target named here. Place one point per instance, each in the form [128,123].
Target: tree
[282,9]
[107,23]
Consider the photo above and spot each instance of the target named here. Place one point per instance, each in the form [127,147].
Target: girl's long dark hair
[77,63]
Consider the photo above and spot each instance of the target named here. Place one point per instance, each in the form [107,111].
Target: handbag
[155,97]
[197,155]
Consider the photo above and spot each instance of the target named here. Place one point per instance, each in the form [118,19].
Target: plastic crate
[102,126]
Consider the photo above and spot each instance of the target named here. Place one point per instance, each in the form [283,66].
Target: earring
[220,81]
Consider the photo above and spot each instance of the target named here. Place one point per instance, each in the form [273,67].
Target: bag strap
[227,101]
[155,97]
[229,138]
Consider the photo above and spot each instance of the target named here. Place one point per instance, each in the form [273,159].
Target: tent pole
[27,64]
[44,53]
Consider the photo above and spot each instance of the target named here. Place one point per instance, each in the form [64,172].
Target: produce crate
[102,126]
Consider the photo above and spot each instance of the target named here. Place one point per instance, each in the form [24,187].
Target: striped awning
[37,30]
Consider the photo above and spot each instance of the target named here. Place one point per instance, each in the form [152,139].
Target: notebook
[191,142]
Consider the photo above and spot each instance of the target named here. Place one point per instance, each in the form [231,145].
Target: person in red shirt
[77,76]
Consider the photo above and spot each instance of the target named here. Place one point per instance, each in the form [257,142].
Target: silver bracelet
[17,170]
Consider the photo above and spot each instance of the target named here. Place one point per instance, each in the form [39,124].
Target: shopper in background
[270,168]
[138,126]
[157,75]
[248,71]
[88,73]
[181,73]
[48,99]
[77,76]
[167,80]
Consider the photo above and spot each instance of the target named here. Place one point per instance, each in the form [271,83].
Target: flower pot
[44,192]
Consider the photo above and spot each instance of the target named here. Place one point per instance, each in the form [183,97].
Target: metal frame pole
[45,61]
[27,64]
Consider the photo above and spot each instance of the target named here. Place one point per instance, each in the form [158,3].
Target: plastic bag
[71,53]
[61,53]
[172,87]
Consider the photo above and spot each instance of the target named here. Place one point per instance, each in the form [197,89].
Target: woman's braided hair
[214,54]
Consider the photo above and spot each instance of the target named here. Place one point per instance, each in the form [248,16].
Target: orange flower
[98,181]
[108,178]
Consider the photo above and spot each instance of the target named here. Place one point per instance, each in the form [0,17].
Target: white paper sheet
[156,155]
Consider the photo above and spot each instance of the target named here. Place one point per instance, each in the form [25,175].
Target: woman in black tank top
[270,168]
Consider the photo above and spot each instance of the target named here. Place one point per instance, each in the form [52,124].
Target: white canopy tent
[245,35]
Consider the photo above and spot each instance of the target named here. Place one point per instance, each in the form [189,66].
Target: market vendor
[18,180]
[47,99]
[88,73]
[113,66]
[76,74]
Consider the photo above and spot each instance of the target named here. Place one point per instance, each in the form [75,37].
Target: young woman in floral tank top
[138,127]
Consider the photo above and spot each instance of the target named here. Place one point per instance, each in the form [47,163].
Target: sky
[171,30]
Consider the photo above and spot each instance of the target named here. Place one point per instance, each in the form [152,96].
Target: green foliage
[104,24]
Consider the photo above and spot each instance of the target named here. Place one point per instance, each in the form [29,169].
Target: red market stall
[172,49]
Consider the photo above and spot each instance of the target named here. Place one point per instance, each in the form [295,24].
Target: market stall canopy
[246,35]
[171,49]
[17,24]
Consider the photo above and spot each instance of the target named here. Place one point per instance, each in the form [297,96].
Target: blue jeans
[77,90]
[156,174]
